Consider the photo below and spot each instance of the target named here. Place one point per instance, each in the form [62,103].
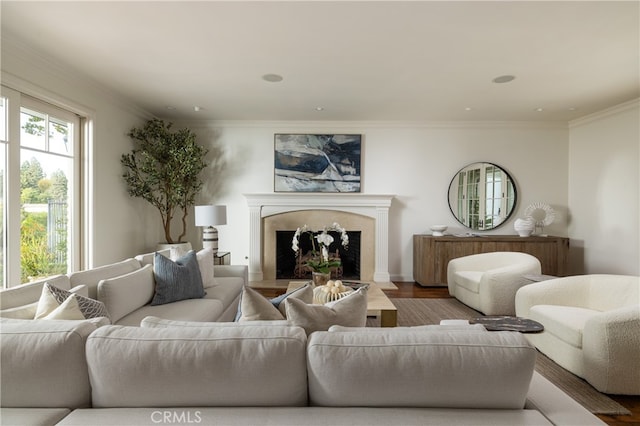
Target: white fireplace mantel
[372,205]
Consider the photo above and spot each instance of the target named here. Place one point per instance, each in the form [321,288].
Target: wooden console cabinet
[431,255]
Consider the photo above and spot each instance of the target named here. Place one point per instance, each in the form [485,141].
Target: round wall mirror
[482,196]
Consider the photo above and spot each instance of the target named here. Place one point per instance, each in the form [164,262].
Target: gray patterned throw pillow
[90,308]
[177,280]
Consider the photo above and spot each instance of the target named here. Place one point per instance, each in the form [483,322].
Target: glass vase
[320,278]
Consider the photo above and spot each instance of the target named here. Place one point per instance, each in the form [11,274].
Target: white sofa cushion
[307,416]
[44,364]
[126,293]
[564,322]
[228,366]
[155,322]
[34,416]
[412,329]
[420,369]
[26,294]
[91,277]
[20,312]
[227,290]
[183,310]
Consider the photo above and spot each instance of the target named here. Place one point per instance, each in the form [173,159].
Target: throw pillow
[67,310]
[177,280]
[52,297]
[255,307]
[126,293]
[350,311]
[205,262]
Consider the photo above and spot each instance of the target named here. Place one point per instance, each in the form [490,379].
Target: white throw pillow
[126,293]
[52,297]
[350,311]
[67,310]
[255,307]
[205,262]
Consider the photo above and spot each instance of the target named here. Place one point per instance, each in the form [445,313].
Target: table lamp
[207,217]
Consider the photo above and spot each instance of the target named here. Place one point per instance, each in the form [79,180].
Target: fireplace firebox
[288,264]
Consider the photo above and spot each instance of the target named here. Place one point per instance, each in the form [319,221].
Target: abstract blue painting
[317,163]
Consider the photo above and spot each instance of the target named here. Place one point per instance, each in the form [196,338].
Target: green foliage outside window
[37,257]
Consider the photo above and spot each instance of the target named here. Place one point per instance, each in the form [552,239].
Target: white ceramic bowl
[438,230]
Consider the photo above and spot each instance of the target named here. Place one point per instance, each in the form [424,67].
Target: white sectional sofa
[72,373]
[127,288]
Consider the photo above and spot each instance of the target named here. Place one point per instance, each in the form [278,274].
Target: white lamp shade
[210,215]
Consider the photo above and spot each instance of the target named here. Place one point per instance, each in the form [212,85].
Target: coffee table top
[376,299]
[508,323]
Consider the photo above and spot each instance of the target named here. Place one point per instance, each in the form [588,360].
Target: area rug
[430,311]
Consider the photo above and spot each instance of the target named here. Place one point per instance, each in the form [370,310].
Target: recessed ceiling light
[468,108]
[504,79]
[197,108]
[171,108]
[572,108]
[319,108]
[272,78]
[539,109]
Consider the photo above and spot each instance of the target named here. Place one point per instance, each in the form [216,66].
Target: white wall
[415,162]
[119,221]
[604,191]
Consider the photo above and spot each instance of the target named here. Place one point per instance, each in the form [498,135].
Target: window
[40,189]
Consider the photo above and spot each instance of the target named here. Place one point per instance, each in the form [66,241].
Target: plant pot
[177,249]
[320,278]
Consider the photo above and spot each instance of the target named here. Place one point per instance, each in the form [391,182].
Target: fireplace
[290,266]
[367,214]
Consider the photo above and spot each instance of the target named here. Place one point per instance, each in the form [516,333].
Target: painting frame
[317,162]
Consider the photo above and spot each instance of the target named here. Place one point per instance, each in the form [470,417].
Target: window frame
[21,94]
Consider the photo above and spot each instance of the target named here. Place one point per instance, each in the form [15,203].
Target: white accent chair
[592,327]
[488,282]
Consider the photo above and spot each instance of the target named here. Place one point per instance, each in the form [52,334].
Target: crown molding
[336,125]
[617,109]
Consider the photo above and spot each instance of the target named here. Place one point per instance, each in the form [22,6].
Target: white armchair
[592,327]
[488,282]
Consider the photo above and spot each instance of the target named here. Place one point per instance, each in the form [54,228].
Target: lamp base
[210,238]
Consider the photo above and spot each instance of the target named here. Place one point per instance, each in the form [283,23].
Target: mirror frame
[452,194]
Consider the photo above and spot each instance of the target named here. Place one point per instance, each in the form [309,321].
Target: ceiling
[378,60]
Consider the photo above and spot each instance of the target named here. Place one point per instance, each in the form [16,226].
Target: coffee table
[378,304]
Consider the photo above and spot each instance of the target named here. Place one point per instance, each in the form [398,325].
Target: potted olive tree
[164,169]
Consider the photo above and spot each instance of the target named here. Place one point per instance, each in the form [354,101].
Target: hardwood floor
[413,290]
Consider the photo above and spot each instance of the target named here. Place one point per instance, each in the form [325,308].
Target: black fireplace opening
[287,260]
